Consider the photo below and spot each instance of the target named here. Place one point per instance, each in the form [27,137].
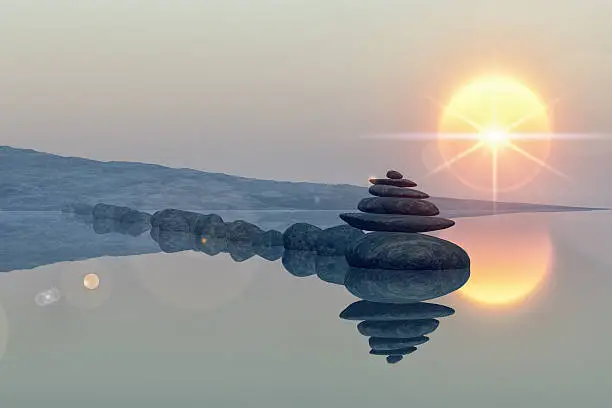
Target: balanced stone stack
[395,267]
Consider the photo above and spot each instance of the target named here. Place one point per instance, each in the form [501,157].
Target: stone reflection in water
[396,268]
[393,270]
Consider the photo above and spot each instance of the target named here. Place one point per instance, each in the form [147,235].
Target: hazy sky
[286,89]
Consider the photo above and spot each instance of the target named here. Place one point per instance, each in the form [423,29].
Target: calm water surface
[531,327]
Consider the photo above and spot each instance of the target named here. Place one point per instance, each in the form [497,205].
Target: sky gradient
[287,89]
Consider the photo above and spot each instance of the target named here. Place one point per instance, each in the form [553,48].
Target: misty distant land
[37,181]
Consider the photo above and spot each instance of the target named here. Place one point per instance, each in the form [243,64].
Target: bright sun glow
[498,276]
[503,125]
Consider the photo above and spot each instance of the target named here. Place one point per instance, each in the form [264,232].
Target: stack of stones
[396,267]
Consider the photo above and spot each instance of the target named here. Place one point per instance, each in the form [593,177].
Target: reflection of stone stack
[395,268]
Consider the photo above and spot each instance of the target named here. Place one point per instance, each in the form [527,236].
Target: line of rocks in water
[395,266]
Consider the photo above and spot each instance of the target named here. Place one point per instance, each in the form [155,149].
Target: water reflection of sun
[510,257]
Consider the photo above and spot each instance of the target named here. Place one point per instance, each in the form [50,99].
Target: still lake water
[531,327]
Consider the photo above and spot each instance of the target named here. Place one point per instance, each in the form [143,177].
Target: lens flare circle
[494,109]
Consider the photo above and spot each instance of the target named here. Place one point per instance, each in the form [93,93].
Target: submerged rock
[270,253]
[173,241]
[301,237]
[406,251]
[401,329]
[396,223]
[300,263]
[240,251]
[391,191]
[334,241]
[244,232]
[398,205]
[398,352]
[387,344]
[211,225]
[403,286]
[365,310]
[211,246]
[271,238]
[332,269]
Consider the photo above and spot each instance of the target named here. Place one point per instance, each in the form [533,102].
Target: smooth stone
[244,232]
[396,250]
[403,286]
[395,175]
[364,310]
[397,205]
[392,182]
[386,344]
[394,359]
[271,238]
[173,241]
[336,240]
[300,263]
[390,191]
[270,253]
[401,329]
[210,225]
[332,269]
[398,352]
[240,251]
[396,223]
[301,237]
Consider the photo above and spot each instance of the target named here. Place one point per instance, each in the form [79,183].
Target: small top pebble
[395,175]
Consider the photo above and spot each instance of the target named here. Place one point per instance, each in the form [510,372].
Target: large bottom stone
[396,250]
[403,286]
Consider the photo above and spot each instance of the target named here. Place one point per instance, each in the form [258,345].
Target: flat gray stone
[244,232]
[364,310]
[395,175]
[398,352]
[332,269]
[386,344]
[210,225]
[380,190]
[393,182]
[396,223]
[403,286]
[300,263]
[397,205]
[334,241]
[394,359]
[401,329]
[396,250]
[301,237]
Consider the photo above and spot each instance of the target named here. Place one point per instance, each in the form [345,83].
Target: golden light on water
[504,128]
[91,281]
[510,258]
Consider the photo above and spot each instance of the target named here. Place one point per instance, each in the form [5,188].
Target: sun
[505,127]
